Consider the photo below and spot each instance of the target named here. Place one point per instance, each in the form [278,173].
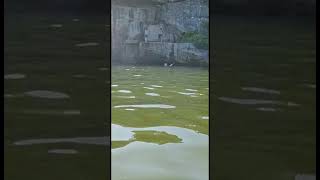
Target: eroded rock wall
[188,15]
[148,28]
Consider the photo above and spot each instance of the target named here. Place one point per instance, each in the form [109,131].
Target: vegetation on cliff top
[199,39]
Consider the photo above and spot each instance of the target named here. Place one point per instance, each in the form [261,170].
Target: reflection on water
[185,160]
[161,133]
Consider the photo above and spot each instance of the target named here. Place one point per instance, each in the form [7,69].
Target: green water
[263,98]
[50,60]
[160,122]
[248,143]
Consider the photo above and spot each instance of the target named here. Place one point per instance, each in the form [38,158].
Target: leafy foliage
[201,41]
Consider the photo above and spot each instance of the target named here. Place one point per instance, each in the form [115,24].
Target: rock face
[185,15]
[183,53]
[149,31]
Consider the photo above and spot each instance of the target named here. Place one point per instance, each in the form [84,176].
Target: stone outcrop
[149,31]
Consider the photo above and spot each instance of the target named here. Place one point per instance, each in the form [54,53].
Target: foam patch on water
[152,94]
[124,91]
[103,69]
[160,106]
[292,104]
[267,109]
[56,25]
[150,88]
[62,151]
[71,112]
[105,141]
[10,96]
[126,97]
[192,90]
[157,86]
[87,44]
[247,101]
[260,90]
[255,101]
[14,76]
[47,94]
[129,109]
[137,75]
[79,76]
[187,93]
[192,125]
[52,112]
[205,117]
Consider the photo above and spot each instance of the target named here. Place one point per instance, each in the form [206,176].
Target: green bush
[199,40]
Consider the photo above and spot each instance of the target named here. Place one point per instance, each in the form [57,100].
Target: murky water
[56,103]
[263,98]
[161,132]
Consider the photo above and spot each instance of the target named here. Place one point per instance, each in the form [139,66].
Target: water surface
[161,132]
